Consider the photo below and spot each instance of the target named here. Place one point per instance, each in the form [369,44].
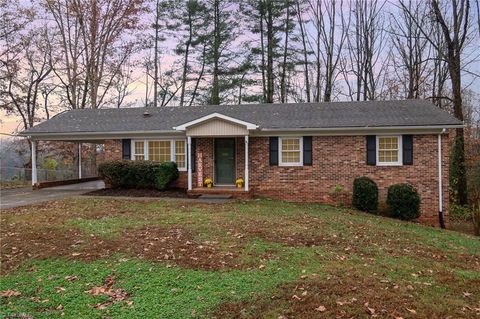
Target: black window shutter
[407,149]
[273,150]
[307,150]
[126,149]
[371,150]
[194,152]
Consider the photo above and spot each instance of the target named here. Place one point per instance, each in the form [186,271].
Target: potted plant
[208,182]
[240,182]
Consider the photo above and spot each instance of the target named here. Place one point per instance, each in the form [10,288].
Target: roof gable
[184,126]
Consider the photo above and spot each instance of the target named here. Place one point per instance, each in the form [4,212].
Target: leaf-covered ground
[106,258]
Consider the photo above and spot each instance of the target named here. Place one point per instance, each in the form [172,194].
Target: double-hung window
[389,150]
[138,150]
[290,151]
[161,151]
[180,153]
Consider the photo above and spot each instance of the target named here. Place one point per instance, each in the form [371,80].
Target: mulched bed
[134,192]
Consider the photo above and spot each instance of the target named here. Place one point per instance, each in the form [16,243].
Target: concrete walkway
[10,198]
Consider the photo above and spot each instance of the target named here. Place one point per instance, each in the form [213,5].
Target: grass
[259,258]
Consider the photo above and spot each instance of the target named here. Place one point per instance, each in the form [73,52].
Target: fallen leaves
[412,311]
[10,293]
[115,294]
[321,308]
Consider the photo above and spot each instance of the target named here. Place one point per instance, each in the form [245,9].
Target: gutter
[373,128]
[441,217]
[352,128]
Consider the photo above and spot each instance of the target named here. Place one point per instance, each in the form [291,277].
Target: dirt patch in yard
[308,231]
[174,245]
[133,192]
[349,295]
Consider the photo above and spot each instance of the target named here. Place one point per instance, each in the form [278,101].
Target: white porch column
[79,160]
[34,163]
[189,164]
[246,163]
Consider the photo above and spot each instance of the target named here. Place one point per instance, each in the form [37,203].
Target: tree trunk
[215,98]
[270,41]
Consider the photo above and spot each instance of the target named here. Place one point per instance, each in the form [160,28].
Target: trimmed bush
[403,202]
[365,194]
[167,173]
[138,174]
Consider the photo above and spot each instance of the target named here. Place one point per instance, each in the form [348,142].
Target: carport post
[79,160]
[34,163]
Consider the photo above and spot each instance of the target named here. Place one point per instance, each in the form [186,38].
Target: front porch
[217,149]
[231,191]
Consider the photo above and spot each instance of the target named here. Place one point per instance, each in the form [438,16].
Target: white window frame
[172,149]
[399,162]
[280,162]
[133,148]
[174,153]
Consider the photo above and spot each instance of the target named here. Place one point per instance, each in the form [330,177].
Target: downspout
[441,218]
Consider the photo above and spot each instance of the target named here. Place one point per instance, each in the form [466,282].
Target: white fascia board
[183,127]
[355,130]
[96,136]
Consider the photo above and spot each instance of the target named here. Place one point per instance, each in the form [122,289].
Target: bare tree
[453,20]
[365,46]
[331,33]
[304,40]
[28,65]
[411,48]
[92,43]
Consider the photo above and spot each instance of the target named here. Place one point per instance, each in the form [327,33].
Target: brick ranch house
[303,152]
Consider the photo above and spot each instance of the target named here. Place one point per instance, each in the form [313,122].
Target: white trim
[34,163]
[280,162]
[364,128]
[350,131]
[145,149]
[189,164]
[246,163]
[440,182]
[399,162]
[79,160]
[183,127]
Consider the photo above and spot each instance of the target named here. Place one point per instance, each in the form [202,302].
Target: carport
[81,175]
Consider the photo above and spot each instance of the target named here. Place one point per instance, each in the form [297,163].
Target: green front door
[225,161]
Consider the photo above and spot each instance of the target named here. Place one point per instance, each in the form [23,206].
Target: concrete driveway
[10,198]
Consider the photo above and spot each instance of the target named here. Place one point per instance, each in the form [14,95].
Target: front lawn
[106,258]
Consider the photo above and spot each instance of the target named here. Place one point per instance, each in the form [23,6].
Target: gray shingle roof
[266,116]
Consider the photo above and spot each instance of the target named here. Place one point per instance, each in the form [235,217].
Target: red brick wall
[113,150]
[337,160]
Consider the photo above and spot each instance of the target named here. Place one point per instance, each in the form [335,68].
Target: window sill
[389,164]
[291,165]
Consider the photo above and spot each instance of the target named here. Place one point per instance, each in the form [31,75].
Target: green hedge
[138,174]
[403,202]
[365,194]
